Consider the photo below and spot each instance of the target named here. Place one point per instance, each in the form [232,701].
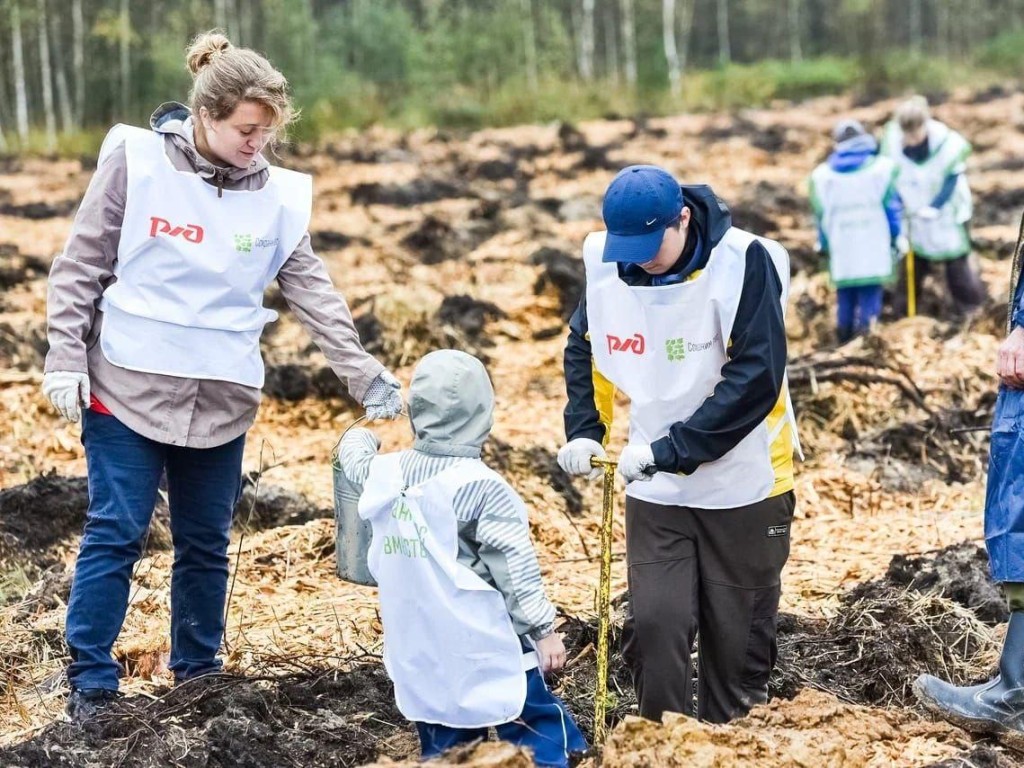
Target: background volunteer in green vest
[932,183]
[155,310]
[857,210]
[684,313]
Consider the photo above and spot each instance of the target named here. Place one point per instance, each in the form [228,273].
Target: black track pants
[712,573]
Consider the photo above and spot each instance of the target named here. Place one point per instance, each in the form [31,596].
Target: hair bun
[204,49]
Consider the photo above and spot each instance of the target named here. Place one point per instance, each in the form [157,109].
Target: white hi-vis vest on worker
[449,644]
[664,346]
[852,206]
[192,266]
[918,183]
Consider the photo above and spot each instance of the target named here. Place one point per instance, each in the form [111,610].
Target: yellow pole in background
[604,591]
[911,285]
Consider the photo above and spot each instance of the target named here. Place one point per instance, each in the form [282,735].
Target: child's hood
[451,404]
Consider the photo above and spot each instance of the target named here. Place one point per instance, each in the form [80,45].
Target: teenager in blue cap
[684,313]
[997,707]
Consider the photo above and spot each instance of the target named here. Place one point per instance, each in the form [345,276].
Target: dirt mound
[299,380]
[979,757]
[812,730]
[400,330]
[535,462]
[416,192]
[959,572]
[23,347]
[16,268]
[879,641]
[41,517]
[317,718]
[38,210]
[562,272]
[271,506]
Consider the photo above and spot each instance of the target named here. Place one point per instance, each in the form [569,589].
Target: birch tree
[125,42]
[67,121]
[529,43]
[724,49]
[628,22]
[20,91]
[795,50]
[587,40]
[668,39]
[78,59]
[47,77]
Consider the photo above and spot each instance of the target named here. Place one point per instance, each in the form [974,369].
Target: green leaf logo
[676,349]
[243,243]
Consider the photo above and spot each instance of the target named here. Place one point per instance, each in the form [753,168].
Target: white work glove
[928,213]
[68,391]
[636,462]
[383,398]
[574,457]
[902,245]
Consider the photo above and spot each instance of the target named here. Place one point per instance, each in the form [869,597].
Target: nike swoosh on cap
[648,223]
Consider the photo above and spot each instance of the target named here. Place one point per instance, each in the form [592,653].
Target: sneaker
[84,704]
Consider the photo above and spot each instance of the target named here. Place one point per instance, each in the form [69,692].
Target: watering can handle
[350,427]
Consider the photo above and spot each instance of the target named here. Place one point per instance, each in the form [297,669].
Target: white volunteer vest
[664,346]
[918,184]
[192,266]
[449,644]
[855,222]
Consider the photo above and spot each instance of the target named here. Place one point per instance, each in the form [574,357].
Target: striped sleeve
[503,535]
[355,452]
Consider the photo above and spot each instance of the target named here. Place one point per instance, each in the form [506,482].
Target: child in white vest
[468,629]
[857,210]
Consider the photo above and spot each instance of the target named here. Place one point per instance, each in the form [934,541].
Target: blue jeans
[124,474]
[857,308]
[544,726]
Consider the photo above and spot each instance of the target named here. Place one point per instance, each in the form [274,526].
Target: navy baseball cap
[640,203]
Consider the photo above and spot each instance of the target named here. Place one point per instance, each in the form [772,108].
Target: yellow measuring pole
[911,284]
[604,594]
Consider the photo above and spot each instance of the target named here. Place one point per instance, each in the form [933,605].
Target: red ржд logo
[191,232]
[634,344]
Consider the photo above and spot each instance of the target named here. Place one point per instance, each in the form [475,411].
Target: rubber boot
[995,707]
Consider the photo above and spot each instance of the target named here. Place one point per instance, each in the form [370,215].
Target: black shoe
[995,707]
[85,703]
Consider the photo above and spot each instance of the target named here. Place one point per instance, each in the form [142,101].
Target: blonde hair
[913,113]
[223,76]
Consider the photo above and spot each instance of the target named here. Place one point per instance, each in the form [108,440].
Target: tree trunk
[67,122]
[20,92]
[724,50]
[915,25]
[220,14]
[628,40]
[668,38]
[78,60]
[587,41]
[126,34]
[529,44]
[686,33]
[47,75]
[611,44]
[795,50]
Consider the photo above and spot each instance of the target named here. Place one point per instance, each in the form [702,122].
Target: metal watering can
[351,533]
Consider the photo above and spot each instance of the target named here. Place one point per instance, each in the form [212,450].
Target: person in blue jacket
[997,707]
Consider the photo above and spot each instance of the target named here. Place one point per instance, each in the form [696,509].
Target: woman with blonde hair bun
[155,310]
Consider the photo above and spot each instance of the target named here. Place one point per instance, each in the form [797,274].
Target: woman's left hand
[383,398]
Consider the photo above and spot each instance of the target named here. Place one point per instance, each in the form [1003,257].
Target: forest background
[70,68]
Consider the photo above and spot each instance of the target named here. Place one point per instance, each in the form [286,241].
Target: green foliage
[1003,54]
[903,72]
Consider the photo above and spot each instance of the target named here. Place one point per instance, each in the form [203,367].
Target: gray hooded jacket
[451,407]
[179,411]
